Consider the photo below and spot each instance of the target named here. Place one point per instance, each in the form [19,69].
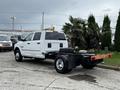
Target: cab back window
[54,36]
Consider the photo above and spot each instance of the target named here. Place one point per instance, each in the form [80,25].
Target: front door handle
[38,42]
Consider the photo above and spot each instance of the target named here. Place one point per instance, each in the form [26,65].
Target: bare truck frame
[67,59]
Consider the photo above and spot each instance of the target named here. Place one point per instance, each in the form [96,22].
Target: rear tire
[61,65]
[18,56]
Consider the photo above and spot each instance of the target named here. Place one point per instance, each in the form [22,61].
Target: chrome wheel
[59,64]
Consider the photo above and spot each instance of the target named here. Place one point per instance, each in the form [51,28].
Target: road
[41,75]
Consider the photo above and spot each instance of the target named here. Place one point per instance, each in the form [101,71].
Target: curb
[109,67]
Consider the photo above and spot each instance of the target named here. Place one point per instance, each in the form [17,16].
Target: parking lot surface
[41,75]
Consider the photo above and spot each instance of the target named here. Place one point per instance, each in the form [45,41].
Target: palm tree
[75,31]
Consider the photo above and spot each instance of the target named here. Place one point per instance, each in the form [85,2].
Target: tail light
[93,58]
[110,55]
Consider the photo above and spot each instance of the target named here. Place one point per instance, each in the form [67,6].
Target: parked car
[5,42]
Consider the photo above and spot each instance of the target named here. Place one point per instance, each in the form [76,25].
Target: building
[14,32]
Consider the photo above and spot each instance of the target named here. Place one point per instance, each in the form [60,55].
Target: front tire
[61,65]
[18,56]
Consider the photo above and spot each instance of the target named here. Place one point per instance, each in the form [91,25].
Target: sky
[28,13]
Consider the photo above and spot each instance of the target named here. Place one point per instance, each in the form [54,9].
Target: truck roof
[48,31]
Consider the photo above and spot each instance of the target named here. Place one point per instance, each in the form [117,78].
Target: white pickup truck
[51,44]
[39,44]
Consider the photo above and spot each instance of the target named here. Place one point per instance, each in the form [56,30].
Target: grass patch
[114,61]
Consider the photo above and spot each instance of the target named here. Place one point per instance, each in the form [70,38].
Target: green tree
[93,34]
[106,33]
[117,34]
[75,31]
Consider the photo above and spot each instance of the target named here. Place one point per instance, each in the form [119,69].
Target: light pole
[13,22]
[42,25]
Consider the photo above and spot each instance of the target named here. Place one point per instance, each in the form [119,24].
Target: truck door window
[37,36]
[29,37]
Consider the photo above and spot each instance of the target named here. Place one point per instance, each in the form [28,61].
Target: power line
[37,12]
[33,23]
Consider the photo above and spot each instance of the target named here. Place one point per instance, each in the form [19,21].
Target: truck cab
[40,44]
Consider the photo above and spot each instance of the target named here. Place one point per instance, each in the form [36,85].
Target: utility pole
[20,27]
[13,22]
[42,25]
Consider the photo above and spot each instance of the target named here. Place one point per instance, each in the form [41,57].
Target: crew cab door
[36,46]
[54,41]
[26,45]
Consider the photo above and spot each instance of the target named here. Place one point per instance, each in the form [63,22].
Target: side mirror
[20,39]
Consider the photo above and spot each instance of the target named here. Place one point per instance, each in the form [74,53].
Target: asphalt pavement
[41,75]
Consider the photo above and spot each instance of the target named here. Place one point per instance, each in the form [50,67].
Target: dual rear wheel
[61,65]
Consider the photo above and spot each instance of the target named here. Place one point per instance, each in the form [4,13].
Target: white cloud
[56,11]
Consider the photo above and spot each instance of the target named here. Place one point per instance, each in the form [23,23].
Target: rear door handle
[38,42]
[28,43]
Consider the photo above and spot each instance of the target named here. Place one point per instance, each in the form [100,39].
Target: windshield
[24,35]
[4,38]
[54,36]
